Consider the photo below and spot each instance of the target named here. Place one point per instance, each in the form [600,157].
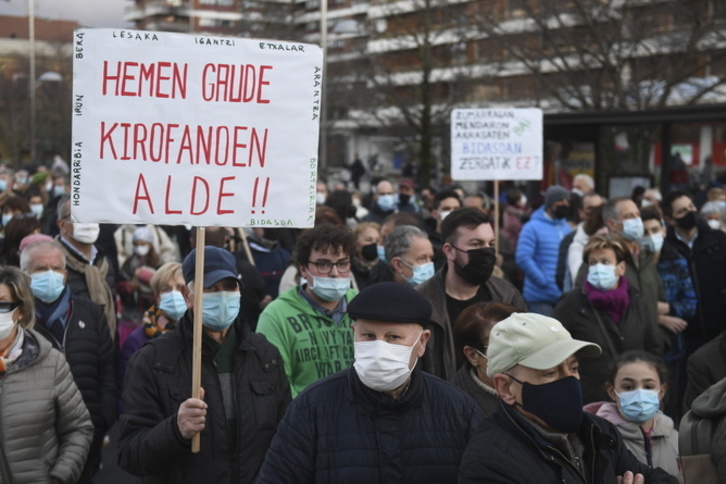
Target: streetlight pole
[323,167]
[31,77]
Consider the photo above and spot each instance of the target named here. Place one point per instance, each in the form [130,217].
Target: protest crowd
[398,340]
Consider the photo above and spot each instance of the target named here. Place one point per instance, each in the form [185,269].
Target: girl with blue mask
[637,386]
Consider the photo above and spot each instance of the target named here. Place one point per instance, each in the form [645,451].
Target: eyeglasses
[325,266]
[7,306]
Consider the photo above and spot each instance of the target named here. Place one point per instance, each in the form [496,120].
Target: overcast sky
[91,13]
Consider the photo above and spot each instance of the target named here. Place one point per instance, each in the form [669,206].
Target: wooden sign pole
[197,348]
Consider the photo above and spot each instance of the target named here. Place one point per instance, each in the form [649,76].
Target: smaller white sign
[496,144]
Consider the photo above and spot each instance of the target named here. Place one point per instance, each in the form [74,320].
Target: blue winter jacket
[537,253]
[339,431]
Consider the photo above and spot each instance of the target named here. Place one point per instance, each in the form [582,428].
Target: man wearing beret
[538,249]
[540,433]
[384,420]
[244,390]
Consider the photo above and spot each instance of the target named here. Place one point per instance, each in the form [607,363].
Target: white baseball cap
[534,341]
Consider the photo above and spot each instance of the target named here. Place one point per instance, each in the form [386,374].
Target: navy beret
[391,302]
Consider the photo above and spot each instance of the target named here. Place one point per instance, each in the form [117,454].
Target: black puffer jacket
[339,431]
[505,449]
[91,355]
[635,332]
[159,379]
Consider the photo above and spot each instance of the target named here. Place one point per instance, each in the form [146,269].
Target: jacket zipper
[565,459]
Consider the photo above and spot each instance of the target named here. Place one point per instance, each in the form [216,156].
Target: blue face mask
[6,218]
[36,209]
[421,273]
[59,191]
[173,304]
[633,229]
[386,203]
[3,185]
[639,405]
[220,309]
[47,286]
[381,251]
[602,276]
[331,288]
[652,243]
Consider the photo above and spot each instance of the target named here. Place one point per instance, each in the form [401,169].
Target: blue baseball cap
[218,264]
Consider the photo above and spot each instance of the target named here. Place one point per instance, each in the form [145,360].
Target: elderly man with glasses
[309,323]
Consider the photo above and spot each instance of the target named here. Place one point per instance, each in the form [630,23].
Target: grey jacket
[712,404]
[440,356]
[45,428]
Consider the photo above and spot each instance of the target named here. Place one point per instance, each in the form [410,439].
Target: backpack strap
[695,434]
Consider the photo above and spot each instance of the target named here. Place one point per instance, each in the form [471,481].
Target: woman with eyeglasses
[471,338]
[45,428]
[606,311]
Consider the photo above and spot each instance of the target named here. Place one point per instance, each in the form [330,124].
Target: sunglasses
[7,306]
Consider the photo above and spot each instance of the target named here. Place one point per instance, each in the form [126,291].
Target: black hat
[390,302]
[218,264]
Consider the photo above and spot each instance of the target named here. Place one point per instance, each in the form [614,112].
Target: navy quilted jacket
[338,430]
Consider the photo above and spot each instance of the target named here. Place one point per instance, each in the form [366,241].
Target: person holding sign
[245,391]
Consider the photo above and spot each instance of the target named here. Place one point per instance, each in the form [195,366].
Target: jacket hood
[606,410]
[712,402]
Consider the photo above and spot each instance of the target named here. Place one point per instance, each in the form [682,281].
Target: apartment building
[620,81]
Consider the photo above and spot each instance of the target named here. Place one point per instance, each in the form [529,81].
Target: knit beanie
[554,194]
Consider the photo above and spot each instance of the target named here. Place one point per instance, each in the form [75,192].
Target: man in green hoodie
[309,324]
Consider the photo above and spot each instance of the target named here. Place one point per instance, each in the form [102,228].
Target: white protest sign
[191,129]
[496,144]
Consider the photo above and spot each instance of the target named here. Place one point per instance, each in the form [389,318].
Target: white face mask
[86,233]
[141,250]
[320,198]
[6,323]
[443,215]
[714,224]
[383,366]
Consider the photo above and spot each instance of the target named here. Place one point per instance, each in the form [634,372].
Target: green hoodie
[311,344]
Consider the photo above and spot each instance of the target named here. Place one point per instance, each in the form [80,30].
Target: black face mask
[369,252]
[480,266]
[404,199]
[688,221]
[559,403]
[561,211]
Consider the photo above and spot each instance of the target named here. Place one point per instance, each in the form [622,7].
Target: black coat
[707,264]
[706,367]
[159,380]
[635,332]
[339,431]
[505,449]
[91,354]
